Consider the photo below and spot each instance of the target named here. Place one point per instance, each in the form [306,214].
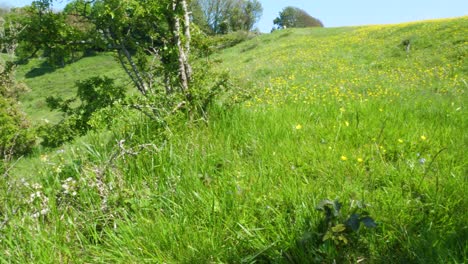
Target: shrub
[94,94]
[232,39]
[15,136]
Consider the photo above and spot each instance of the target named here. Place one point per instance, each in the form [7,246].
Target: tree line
[77,30]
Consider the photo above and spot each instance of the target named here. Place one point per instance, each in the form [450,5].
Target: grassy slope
[44,81]
[335,113]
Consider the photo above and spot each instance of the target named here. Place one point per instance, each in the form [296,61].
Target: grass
[341,113]
[44,80]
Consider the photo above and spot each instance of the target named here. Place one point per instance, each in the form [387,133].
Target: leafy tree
[43,31]
[83,35]
[152,40]
[59,36]
[293,17]
[81,7]
[153,43]
[244,15]
[223,16]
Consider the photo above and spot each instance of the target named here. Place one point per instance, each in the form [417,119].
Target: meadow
[350,114]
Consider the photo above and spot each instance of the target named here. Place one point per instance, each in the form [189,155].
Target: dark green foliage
[94,94]
[293,17]
[60,37]
[342,229]
[15,136]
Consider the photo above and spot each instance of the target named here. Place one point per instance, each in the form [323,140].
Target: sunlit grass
[341,113]
[44,80]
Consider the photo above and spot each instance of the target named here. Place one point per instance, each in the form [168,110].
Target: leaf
[327,236]
[343,238]
[338,228]
[353,222]
[368,222]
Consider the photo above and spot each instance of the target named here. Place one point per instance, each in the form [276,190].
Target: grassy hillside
[44,80]
[339,113]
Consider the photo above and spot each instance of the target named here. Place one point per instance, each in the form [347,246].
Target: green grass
[333,113]
[44,80]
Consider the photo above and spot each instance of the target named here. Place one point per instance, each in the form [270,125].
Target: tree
[61,37]
[244,14]
[213,13]
[223,16]
[293,17]
[152,40]
[44,31]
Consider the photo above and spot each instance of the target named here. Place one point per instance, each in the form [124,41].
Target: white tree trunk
[185,70]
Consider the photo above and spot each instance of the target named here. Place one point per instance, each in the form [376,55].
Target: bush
[15,136]
[232,39]
[95,94]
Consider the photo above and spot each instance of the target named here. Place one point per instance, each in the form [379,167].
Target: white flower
[45,211]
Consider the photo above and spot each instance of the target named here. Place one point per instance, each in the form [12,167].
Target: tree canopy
[224,16]
[293,17]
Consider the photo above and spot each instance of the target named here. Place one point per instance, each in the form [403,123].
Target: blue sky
[335,13]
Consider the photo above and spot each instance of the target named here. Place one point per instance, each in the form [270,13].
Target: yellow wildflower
[44,158]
